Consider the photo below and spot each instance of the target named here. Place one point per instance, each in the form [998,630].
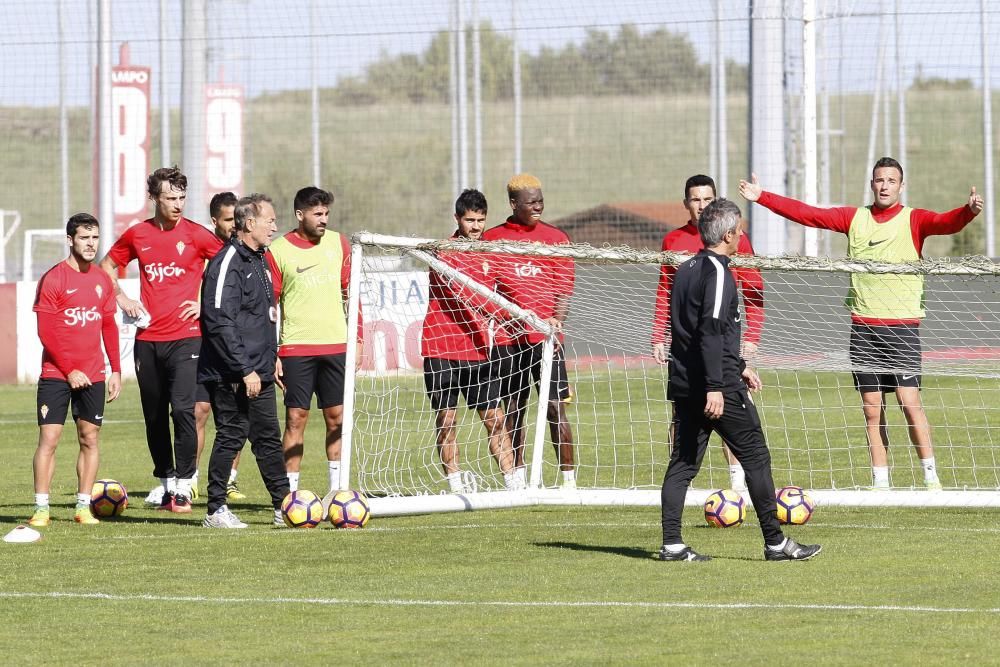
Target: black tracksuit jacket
[238,333]
[705,328]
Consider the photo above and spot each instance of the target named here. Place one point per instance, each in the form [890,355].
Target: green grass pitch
[545,585]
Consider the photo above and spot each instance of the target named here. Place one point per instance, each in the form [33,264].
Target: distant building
[638,225]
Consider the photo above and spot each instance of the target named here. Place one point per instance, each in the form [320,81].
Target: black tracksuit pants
[167,372]
[238,419]
[740,427]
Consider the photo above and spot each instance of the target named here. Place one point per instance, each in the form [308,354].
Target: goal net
[619,415]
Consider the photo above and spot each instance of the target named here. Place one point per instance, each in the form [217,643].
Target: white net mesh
[619,414]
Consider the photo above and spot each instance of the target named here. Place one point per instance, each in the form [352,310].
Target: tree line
[628,62]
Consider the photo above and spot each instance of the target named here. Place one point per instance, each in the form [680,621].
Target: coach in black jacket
[238,353]
[710,386]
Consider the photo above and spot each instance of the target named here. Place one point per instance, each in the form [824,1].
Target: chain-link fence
[394,106]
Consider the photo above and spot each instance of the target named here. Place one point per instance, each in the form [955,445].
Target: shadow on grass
[19,513]
[628,552]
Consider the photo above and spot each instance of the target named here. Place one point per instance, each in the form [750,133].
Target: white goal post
[619,415]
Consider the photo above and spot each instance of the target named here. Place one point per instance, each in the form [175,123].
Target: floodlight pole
[105,156]
[900,101]
[193,78]
[988,193]
[63,120]
[164,91]
[517,86]
[463,99]
[767,121]
[722,136]
[453,95]
[313,71]
[811,235]
[477,97]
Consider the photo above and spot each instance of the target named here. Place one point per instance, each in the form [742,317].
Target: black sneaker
[167,502]
[792,551]
[687,553]
[182,504]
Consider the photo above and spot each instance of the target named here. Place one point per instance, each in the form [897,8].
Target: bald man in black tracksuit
[710,385]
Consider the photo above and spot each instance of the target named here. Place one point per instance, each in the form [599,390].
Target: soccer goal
[619,413]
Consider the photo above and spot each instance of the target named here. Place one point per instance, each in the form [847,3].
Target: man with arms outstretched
[886,309]
[699,192]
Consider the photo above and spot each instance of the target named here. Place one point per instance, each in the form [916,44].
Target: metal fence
[395,106]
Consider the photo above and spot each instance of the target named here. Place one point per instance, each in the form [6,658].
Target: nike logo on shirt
[301,269]
[875,243]
[72,291]
[149,247]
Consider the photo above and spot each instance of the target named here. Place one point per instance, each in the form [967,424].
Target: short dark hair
[310,197]
[220,200]
[697,181]
[470,200]
[80,220]
[172,175]
[888,162]
[246,208]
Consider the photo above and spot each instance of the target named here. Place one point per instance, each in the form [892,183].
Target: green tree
[627,62]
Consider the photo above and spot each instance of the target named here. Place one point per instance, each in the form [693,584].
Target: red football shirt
[170,266]
[455,326]
[76,311]
[749,281]
[533,283]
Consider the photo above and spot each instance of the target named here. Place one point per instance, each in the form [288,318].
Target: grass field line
[391,602]
[581,524]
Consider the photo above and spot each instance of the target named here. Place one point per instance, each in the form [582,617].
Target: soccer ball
[349,509]
[302,509]
[794,505]
[725,509]
[108,498]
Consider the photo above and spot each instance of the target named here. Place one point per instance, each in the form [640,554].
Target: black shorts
[322,375]
[444,379]
[201,394]
[54,398]
[518,367]
[885,357]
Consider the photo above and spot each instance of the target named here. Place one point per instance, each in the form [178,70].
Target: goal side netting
[618,413]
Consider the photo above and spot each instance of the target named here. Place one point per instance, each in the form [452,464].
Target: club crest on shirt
[486,268]
[528,270]
[180,247]
[44,411]
[100,292]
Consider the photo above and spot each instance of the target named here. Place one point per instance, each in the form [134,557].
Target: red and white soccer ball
[349,509]
[302,509]
[108,498]
[794,505]
[725,509]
